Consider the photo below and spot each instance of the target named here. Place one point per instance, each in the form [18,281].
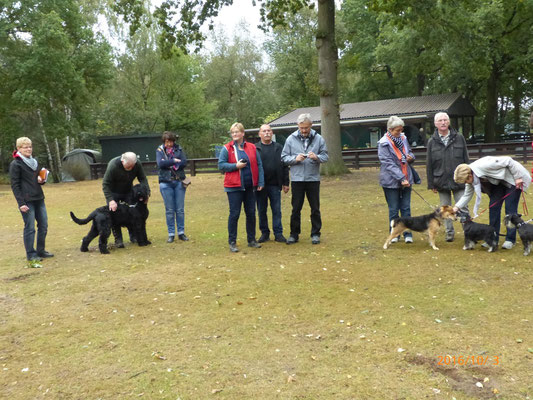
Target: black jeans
[497,193]
[270,193]
[36,212]
[299,191]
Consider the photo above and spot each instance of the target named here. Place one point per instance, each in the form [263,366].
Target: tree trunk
[327,80]
[492,106]
[53,169]
[517,103]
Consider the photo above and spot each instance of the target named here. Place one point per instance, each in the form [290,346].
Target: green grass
[194,321]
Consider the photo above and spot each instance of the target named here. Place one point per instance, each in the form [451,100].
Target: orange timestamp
[468,360]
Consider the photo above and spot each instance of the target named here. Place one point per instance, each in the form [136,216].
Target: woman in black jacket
[26,185]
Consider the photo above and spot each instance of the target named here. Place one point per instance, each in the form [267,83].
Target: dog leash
[419,195]
[497,201]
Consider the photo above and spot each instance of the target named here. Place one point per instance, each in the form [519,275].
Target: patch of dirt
[10,306]
[462,378]
[20,277]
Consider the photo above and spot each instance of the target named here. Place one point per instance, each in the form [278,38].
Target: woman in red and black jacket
[26,185]
[243,175]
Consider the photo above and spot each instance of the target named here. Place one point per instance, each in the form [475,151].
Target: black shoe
[45,254]
[170,239]
[254,244]
[183,237]
[315,239]
[449,237]
[233,248]
[292,240]
[265,237]
[281,239]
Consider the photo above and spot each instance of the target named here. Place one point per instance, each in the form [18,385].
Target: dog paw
[385,247]
[84,249]
[435,248]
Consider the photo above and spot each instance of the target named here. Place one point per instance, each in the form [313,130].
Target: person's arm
[162,160]
[287,155]
[16,184]
[466,158]
[322,154]
[389,162]
[466,197]
[141,177]
[183,158]
[429,165]
[107,182]
[261,181]
[223,164]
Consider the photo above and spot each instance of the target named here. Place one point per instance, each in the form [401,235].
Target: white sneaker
[394,240]
[507,245]
[408,239]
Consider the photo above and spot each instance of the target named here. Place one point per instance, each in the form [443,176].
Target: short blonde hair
[394,122]
[237,125]
[21,141]
[461,173]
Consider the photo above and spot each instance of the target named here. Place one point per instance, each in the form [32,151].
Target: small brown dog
[429,222]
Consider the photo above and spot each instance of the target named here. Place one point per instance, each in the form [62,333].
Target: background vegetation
[341,320]
[64,84]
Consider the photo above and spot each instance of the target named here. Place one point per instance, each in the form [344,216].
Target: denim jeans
[36,212]
[173,194]
[236,200]
[497,192]
[299,191]
[270,193]
[399,202]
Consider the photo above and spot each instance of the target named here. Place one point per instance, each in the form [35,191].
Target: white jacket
[496,170]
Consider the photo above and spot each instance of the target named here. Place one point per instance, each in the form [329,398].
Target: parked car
[516,136]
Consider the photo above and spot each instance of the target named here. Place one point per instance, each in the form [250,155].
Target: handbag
[416,178]
[186,182]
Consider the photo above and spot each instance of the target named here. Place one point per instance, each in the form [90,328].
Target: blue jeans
[272,193]
[36,212]
[399,202]
[497,192]
[173,194]
[236,200]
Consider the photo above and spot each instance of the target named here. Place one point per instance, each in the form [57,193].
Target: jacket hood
[15,155]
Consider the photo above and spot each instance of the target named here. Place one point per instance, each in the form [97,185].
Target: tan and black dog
[429,222]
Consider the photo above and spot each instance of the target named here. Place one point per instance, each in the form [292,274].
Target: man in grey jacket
[446,149]
[304,151]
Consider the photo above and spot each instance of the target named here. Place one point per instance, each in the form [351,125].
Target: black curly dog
[525,231]
[475,232]
[131,215]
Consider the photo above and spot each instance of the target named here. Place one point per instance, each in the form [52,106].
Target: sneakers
[449,236]
[170,239]
[315,239]
[292,240]
[395,240]
[265,237]
[233,247]
[280,239]
[507,245]
[408,239]
[254,244]
[183,237]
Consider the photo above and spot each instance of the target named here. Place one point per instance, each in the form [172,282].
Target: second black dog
[132,216]
[475,232]
[525,231]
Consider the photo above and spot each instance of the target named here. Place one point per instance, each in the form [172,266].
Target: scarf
[399,144]
[29,161]
[170,154]
[400,154]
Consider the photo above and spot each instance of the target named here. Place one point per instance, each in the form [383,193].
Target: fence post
[193,167]
[524,154]
[356,160]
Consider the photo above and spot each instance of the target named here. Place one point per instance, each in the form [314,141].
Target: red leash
[524,205]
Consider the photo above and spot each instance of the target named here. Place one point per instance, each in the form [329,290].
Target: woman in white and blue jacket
[171,161]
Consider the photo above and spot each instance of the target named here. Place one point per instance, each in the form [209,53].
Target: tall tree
[181,22]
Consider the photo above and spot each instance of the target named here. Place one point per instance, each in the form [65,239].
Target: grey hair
[129,157]
[394,122]
[306,117]
[441,114]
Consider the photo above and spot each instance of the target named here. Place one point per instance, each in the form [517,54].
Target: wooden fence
[356,158]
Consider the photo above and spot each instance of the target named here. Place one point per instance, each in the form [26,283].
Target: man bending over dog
[118,181]
[503,179]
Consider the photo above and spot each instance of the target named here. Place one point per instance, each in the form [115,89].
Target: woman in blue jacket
[395,176]
[171,161]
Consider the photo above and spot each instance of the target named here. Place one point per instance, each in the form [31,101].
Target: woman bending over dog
[503,179]
[395,176]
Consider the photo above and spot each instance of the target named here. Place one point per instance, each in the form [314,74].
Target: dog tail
[82,221]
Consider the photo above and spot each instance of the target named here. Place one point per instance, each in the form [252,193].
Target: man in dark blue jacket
[276,179]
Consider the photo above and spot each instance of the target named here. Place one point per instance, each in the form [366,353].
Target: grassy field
[341,320]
